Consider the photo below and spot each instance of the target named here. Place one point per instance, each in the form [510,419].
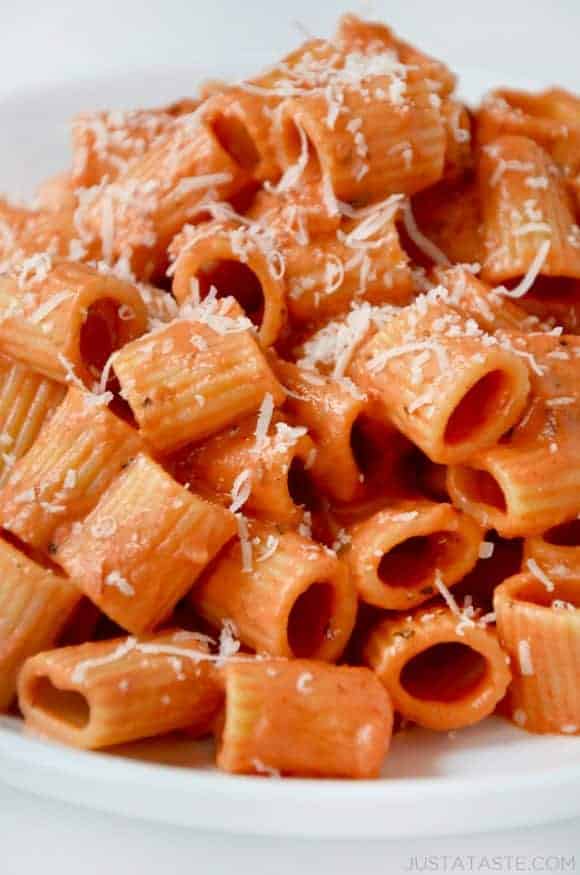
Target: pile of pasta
[289,416]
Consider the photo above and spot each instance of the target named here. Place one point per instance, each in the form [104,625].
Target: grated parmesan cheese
[303,684]
[241,490]
[540,575]
[525,658]
[531,274]
[463,617]
[263,422]
[115,579]
[486,549]
[421,242]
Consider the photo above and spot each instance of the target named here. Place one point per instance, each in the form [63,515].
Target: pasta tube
[376,147]
[397,555]
[539,627]
[241,119]
[239,263]
[66,319]
[35,605]
[266,265]
[304,718]
[108,692]
[80,450]
[362,261]
[556,551]
[241,116]
[354,33]
[518,491]
[441,671]
[476,300]
[266,474]
[374,126]
[286,595]
[549,117]
[105,143]
[336,416]
[529,483]
[143,545]
[27,401]
[25,233]
[522,217]
[448,386]
[136,216]
[195,377]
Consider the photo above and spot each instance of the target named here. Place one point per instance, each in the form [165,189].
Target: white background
[45,43]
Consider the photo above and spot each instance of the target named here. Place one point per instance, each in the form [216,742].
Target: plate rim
[554,775]
[386,808]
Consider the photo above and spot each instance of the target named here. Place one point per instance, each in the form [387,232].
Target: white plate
[488,777]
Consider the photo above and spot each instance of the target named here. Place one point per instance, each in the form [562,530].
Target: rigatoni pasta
[60,479]
[27,401]
[557,550]
[105,143]
[529,482]
[35,605]
[267,472]
[304,718]
[538,622]
[190,397]
[550,118]
[286,595]
[398,555]
[526,210]
[229,258]
[348,434]
[143,545]
[442,669]
[64,319]
[371,148]
[446,384]
[289,377]
[135,216]
[97,694]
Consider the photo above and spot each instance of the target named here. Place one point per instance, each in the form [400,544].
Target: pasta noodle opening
[482,402]
[481,487]
[67,706]
[446,672]
[414,561]
[426,476]
[564,535]
[300,486]
[293,139]
[309,619]
[100,334]
[235,279]
[370,442]
[235,138]
[360,445]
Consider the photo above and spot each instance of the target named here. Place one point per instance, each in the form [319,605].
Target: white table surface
[45,42]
